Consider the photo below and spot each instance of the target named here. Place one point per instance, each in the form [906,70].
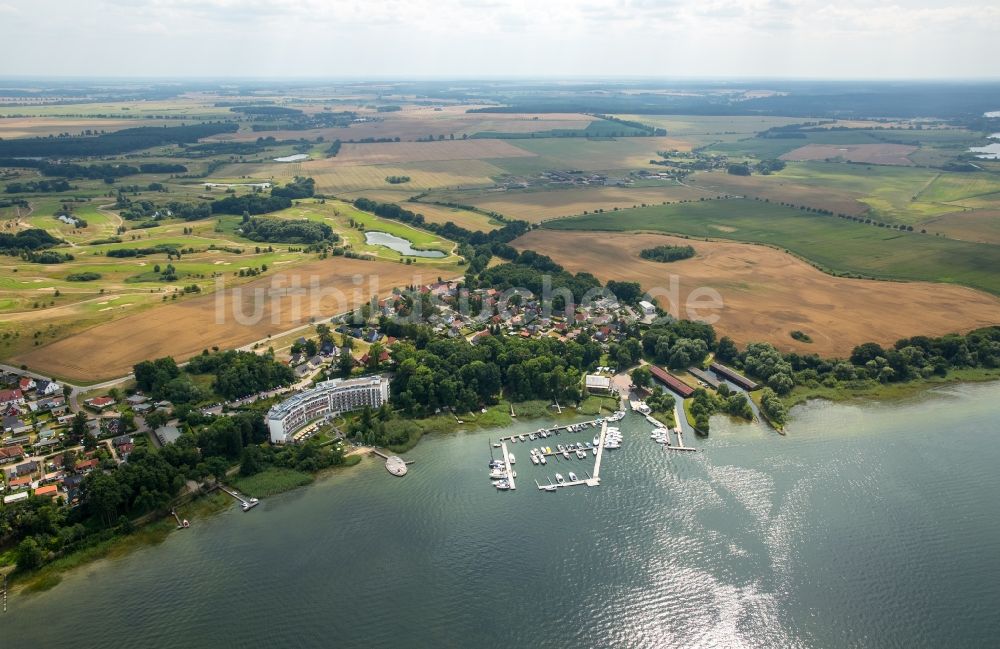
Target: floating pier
[552,430]
[506,462]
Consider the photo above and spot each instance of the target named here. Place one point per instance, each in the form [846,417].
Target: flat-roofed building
[324,400]
[597,383]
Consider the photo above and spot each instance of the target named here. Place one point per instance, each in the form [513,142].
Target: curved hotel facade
[325,399]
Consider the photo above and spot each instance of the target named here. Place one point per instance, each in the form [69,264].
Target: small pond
[400,245]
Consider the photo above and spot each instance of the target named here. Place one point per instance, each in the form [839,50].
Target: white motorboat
[502,485]
[510,456]
[572,477]
[541,458]
[549,487]
[534,459]
[581,454]
[560,479]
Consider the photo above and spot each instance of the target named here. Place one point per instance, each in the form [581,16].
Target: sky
[500,38]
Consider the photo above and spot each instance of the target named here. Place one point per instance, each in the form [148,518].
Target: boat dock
[506,462]
[247,505]
[600,454]
[676,429]
[553,430]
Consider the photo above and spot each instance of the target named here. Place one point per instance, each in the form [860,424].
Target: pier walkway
[247,505]
[506,461]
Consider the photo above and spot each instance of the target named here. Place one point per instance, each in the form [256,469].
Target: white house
[648,308]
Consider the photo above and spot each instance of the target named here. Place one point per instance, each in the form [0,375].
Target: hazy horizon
[500,39]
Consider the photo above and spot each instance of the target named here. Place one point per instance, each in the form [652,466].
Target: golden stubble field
[767,293]
[185,328]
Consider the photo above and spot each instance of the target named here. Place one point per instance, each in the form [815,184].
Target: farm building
[732,375]
[671,381]
[702,375]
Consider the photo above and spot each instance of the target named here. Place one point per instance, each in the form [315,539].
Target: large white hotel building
[325,399]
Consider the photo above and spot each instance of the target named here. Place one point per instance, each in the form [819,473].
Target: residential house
[50,490]
[11,454]
[48,388]
[85,466]
[27,468]
[136,399]
[26,384]
[15,426]
[11,397]
[100,403]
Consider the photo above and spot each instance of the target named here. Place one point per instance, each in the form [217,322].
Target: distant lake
[990,151]
[992,113]
[293,158]
[400,245]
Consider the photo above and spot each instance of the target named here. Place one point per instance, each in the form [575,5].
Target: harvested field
[768,293]
[425,176]
[403,152]
[881,154]
[15,127]
[535,206]
[186,328]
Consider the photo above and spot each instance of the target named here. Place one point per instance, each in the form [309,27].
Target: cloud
[491,37]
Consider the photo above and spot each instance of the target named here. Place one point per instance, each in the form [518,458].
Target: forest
[130,139]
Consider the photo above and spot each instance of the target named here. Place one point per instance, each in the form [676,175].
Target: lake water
[399,244]
[866,526]
[293,158]
[990,151]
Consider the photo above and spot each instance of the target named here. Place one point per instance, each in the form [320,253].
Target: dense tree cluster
[250,204]
[666,254]
[454,373]
[30,239]
[299,188]
[262,228]
[240,374]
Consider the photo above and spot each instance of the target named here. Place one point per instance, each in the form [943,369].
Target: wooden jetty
[245,504]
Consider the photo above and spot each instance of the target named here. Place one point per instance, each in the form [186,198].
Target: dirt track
[185,328]
[768,293]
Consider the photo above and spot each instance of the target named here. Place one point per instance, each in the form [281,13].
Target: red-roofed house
[50,490]
[11,397]
[100,403]
[85,465]
[26,383]
[11,454]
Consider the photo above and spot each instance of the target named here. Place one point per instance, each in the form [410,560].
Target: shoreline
[157,530]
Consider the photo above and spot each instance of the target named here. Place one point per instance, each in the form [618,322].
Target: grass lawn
[834,244]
